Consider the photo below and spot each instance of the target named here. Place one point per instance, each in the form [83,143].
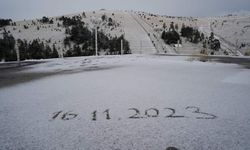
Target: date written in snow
[137,114]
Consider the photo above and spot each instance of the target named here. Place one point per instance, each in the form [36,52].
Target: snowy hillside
[235,30]
[54,33]
[155,22]
[142,30]
[232,31]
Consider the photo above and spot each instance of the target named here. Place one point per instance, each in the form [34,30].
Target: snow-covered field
[127,102]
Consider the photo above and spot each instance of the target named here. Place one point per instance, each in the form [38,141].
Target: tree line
[46,20]
[81,41]
[172,36]
[67,21]
[7,47]
[34,49]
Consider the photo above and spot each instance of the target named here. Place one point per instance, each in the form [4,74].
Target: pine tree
[171,28]
[83,15]
[7,47]
[104,17]
[47,51]
[211,37]
[170,37]
[176,27]
[54,52]
[23,47]
[77,50]
[164,26]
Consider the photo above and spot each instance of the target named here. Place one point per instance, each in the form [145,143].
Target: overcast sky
[29,9]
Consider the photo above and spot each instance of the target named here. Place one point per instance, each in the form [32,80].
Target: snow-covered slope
[155,22]
[234,30]
[143,31]
[138,38]
[54,34]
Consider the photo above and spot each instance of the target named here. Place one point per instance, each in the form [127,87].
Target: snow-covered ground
[127,102]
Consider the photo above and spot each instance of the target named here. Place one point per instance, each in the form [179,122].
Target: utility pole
[61,53]
[141,47]
[207,45]
[96,41]
[17,54]
[178,45]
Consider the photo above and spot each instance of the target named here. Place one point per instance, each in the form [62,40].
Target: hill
[73,35]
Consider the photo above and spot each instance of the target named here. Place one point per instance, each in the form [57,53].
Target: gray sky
[29,9]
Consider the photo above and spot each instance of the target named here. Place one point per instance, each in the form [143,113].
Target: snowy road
[127,102]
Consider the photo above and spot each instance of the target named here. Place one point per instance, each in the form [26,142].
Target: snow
[142,32]
[234,30]
[154,25]
[83,85]
[52,104]
[240,78]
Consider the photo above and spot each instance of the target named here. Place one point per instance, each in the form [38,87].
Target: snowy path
[140,42]
[128,102]
[149,32]
[161,47]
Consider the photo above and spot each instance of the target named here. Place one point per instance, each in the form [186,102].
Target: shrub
[83,14]
[170,37]
[214,43]
[76,20]
[25,27]
[104,17]
[247,53]
[46,20]
[5,22]
[193,35]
